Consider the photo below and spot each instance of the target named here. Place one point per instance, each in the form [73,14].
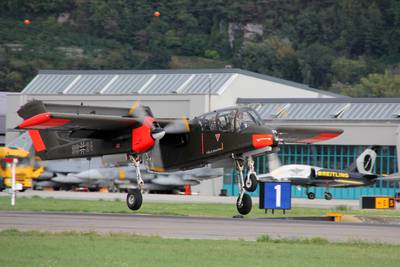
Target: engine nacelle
[142,140]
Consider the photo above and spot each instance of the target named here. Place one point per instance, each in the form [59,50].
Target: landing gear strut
[134,198]
[244,203]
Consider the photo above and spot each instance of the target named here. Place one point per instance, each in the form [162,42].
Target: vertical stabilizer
[365,162]
[41,140]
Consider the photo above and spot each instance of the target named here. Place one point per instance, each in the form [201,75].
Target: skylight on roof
[338,114]
[282,111]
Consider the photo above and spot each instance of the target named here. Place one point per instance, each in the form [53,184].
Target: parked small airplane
[111,171]
[358,174]
[165,145]
[125,177]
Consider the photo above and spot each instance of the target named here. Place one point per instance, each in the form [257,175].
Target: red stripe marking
[43,121]
[320,137]
[37,140]
[202,143]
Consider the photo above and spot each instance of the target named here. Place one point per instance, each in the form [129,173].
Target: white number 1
[278,195]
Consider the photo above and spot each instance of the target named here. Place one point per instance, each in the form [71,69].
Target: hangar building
[365,121]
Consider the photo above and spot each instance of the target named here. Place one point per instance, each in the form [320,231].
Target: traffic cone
[188,190]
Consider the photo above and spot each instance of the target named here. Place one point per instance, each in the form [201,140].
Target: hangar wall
[365,122]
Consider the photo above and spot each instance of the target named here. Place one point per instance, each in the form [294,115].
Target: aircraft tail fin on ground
[365,162]
[42,140]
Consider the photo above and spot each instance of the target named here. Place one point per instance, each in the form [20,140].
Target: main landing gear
[327,195]
[248,183]
[134,198]
[311,195]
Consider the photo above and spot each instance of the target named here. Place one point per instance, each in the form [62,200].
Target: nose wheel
[244,206]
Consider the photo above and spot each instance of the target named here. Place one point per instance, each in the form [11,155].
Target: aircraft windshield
[245,118]
[229,120]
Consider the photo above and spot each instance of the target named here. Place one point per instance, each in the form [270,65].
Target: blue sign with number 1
[274,195]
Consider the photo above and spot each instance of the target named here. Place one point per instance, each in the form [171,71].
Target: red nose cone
[156,14]
[262,140]
[27,22]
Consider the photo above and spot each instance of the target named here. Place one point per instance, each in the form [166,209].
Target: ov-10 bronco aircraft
[358,174]
[237,133]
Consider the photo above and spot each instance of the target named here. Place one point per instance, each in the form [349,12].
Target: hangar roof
[146,82]
[333,109]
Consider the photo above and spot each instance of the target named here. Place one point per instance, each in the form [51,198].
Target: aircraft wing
[70,122]
[292,180]
[391,177]
[299,135]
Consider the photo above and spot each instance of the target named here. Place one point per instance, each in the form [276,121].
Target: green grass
[90,249]
[184,209]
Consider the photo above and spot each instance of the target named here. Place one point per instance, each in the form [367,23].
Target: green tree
[375,85]
[315,62]
[349,71]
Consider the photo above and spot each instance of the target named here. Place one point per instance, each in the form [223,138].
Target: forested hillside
[347,46]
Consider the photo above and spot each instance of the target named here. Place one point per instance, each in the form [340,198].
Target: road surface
[297,202]
[197,228]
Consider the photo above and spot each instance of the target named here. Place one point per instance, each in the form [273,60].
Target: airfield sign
[378,202]
[275,195]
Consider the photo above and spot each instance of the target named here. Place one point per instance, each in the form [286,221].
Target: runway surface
[297,202]
[197,228]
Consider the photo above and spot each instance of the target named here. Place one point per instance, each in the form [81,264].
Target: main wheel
[311,195]
[250,182]
[134,199]
[328,196]
[245,206]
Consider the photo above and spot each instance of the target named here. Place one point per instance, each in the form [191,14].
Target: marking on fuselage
[215,150]
[348,181]
[333,174]
[262,139]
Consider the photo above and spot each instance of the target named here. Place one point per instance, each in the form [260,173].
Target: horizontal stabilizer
[300,135]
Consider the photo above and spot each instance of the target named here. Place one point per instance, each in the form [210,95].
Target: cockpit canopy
[229,120]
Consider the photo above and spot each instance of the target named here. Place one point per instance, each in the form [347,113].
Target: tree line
[345,46]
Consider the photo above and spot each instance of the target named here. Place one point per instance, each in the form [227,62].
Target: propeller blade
[137,110]
[178,126]
[156,163]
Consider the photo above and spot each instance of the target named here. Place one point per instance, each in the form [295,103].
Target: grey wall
[3,109]
[354,133]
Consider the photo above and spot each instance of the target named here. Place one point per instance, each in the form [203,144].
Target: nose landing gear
[249,184]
